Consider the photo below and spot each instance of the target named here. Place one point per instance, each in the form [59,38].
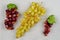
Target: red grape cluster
[11,18]
[47,28]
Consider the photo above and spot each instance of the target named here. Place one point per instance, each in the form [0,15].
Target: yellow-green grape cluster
[31,17]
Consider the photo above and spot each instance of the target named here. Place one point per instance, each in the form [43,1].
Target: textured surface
[36,33]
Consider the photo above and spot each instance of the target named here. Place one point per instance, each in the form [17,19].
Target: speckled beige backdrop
[36,33]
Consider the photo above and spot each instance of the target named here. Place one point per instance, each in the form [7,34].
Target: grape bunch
[48,24]
[11,16]
[31,17]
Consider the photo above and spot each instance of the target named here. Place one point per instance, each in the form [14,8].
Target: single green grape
[10,6]
[51,19]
